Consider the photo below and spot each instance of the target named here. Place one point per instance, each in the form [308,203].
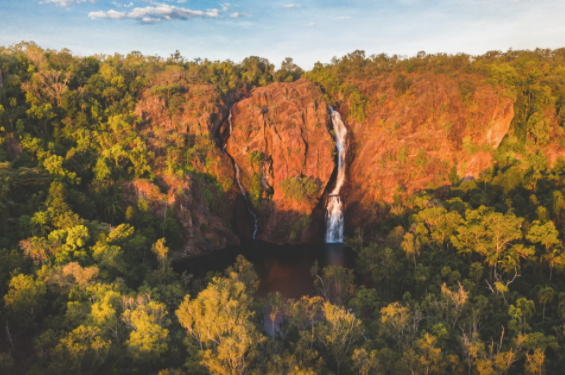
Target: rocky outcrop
[200,230]
[279,135]
[177,113]
[280,138]
[173,103]
[410,141]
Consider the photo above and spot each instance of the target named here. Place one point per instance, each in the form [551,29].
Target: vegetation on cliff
[110,168]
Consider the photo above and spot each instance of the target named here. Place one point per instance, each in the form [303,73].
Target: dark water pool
[284,269]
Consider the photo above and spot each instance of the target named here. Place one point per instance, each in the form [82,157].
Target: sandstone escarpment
[202,229]
[411,140]
[173,102]
[193,178]
[279,135]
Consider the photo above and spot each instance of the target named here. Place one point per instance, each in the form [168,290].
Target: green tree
[338,331]
[299,188]
[83,350]
[25,298]
[538,128]
[545,295]
[492,235]
[438,225]
[427,358]
[147,320]
[165,272]
[365,301]
[220,320]
[289,71]
[355,242]
[106,303]
[242,271]
[519,313]
[411,246]
[398,323]
[401,83]
[366,363]
[336,283]
[108,251]
[547,236]
[498,361]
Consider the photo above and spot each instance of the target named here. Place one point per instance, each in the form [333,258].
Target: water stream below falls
[236,170]
[334,215]
[281,268]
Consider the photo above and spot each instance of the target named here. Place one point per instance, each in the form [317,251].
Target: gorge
[281,141]
[236,171]
[172,217]
[334,214]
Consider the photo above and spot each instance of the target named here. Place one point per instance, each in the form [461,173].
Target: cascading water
[236,169]
[334,215]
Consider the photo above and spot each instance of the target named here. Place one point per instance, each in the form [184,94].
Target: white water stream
[334,215]
[236,168]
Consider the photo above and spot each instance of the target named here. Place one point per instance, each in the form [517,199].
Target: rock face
[411,140]
[173,103]
[201,230]
[177,112]
[280,134]
[280,138]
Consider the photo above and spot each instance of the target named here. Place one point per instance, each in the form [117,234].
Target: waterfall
[334,215]
[236,169]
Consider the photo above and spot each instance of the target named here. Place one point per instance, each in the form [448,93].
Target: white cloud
[66,3]
[152,20]
[161,12]
[240,15]
[225,6]
[344,18]
[122,5]
[181,1]
[311,24]
[111,14]
[289,6]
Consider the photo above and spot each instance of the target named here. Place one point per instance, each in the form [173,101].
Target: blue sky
[308,31]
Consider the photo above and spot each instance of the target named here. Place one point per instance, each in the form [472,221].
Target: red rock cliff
[280,139]
[288,124]
[411,140]
[203,208]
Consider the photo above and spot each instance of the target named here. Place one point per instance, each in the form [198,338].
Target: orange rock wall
[288,123]
[407,142]
[200,113]
[410,140]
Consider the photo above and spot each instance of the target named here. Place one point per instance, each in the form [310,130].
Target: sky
[308,30]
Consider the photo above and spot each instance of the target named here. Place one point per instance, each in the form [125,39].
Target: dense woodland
[459,279]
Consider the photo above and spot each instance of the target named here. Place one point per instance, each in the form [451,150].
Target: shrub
[255,158]
[538,128]
[469,146]
[255,189]
[466,90]
[421,159]
[402,153]
[401,83]
[299,188]
[359,104]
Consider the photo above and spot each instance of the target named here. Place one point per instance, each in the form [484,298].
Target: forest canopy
[465,278]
